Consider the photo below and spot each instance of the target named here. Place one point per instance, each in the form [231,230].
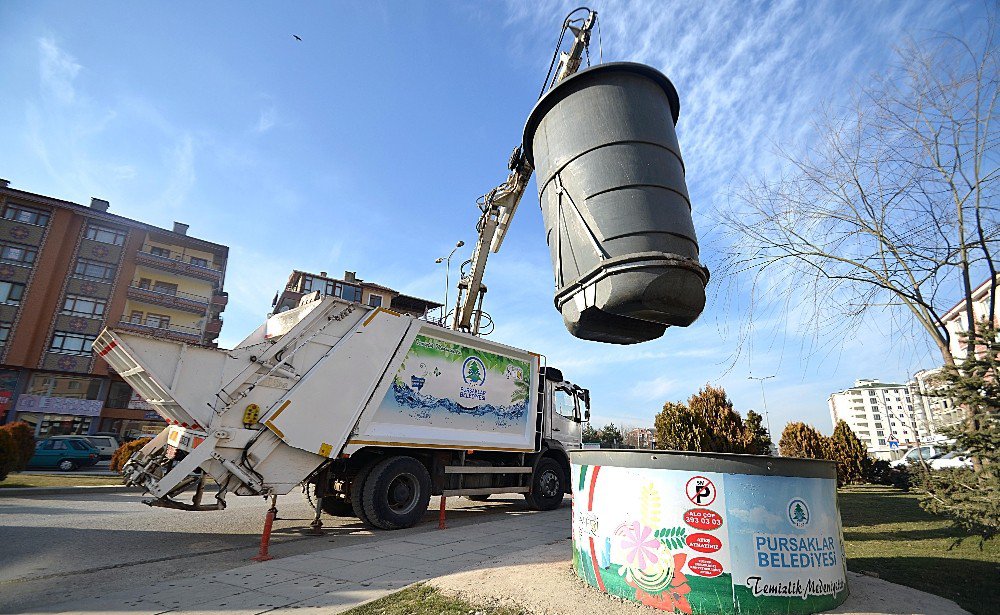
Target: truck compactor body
[378,411]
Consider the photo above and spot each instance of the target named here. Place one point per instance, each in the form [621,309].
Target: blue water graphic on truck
[423,406]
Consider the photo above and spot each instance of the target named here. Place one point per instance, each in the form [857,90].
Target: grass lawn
[424,600]
[888,534]
[58,480]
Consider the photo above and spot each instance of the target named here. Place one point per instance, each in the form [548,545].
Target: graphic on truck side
[443,384]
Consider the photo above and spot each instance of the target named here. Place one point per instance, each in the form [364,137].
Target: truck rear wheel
[396,493]
[547,485]
[358,489]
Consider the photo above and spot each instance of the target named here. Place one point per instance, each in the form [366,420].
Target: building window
[119,395]
[881,441]
[94,270]
[105,234]
[145,283]
[17,254]
[375,300]
[307,284]
[4,332]
[71,343]
[157,320]
[157,251]
[90,307]
[11,293]
[135,317]
[164,287]
[347,292]
[57,385]
[201,262]
[879,432]
[28,215]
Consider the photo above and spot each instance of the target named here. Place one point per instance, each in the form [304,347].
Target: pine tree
[474,372]
[724,427]
[801,440]
[853,463]
[611,436]
[590,434]
[679,429]
[971,496]
[798,514]
[756,439]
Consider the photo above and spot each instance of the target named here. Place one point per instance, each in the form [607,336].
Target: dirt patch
[541,581]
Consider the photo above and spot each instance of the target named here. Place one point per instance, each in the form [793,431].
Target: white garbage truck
[372,410]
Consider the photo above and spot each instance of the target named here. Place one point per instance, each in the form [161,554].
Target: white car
[915,454]
[953,459]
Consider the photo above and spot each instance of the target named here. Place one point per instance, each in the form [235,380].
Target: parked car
[915,454]
[105,442]
[64,453]
[953,459]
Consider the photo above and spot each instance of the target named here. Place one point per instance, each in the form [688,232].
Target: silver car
[107,444]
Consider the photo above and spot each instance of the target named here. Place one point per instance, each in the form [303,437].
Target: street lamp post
[447,281]
[763,398]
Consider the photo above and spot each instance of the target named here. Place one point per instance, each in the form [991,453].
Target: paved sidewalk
[338,579]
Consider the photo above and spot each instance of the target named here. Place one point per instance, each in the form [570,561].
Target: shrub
[9,454]
[125,451]
[881,473]
[24,442]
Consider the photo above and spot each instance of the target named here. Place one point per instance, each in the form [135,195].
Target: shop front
[128,415]
[8,383]
[57,404]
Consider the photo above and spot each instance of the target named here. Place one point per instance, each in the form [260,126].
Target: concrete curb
[27,492]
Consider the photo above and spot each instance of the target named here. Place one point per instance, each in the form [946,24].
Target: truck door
[566,421]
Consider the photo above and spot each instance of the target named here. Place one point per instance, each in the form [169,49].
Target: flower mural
[19,232]
[640,546]
[674,597]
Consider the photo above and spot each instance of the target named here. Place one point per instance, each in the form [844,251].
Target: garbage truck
[375,410]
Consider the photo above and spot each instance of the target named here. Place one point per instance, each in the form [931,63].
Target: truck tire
[337,507]
[396,493]
[358,489]
[547,485]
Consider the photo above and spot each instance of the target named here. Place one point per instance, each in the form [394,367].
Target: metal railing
[168,259]
[191,332]
[182,295]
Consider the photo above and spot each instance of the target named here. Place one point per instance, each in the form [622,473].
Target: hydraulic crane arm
[499,204]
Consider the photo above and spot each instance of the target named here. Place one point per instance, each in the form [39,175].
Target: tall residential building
[942,412]
[881,413]
[956,320]
[351,288]
[67,271]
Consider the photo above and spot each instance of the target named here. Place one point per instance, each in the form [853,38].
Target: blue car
[67,454]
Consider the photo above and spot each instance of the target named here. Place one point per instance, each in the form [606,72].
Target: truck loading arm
[499,204]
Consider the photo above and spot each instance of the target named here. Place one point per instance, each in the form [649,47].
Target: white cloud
[657,389]
[266,120]
[57,70]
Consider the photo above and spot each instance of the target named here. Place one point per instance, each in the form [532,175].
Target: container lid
[553,96]
[690,461]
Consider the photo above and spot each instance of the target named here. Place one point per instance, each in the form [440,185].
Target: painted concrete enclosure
[707,533]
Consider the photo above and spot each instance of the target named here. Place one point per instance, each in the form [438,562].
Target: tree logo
[798,513]
[474,371]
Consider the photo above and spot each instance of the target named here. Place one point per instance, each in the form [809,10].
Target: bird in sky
[297,37]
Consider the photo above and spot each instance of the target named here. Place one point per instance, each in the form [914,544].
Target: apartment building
[882,415]
[68,270]
[641,437]
[956,320]
[351,288]
[942,412]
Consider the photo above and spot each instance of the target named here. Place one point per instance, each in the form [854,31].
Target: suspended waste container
[615,204]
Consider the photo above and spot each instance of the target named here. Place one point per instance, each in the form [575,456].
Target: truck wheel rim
[402,493]
[548,484]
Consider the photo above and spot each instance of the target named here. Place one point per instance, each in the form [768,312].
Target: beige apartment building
[351,288]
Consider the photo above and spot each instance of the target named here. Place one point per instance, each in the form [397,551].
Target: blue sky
[364,147]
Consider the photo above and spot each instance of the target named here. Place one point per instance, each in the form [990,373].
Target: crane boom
[499,204]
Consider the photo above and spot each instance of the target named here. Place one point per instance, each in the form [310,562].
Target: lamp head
[439,261]
[459,244]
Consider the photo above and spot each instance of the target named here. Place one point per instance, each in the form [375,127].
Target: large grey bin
[615,204]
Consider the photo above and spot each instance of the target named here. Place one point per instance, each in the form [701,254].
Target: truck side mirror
[586,415]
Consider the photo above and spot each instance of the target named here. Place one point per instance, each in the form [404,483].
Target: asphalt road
[58,548]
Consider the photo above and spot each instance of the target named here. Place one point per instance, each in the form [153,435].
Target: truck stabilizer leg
[441,523]
[265,537]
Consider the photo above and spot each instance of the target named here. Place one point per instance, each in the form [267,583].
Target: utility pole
[767,418]
[447,272]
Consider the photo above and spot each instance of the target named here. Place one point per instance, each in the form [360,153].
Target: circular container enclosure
[615,204]
[708,533]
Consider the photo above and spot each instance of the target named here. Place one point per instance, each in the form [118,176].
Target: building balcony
[171,332]
[178,267]
[185,302]
[213,328]
[220,299]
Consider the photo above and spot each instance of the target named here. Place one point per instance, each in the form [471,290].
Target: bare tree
[895,209]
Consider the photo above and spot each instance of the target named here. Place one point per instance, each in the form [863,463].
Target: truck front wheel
[396,493]
[546,486]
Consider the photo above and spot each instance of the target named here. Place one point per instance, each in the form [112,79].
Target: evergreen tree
[801,440]
[611,437]
[798,514]
[853,463]
[678,428]
[474,375]
[971,496]
[590,434]
[756,439]
[724,427]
